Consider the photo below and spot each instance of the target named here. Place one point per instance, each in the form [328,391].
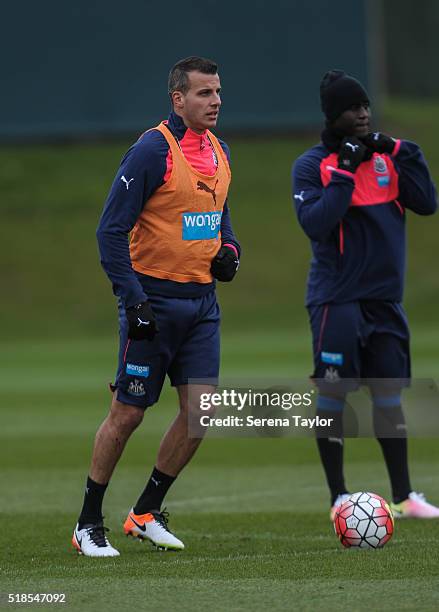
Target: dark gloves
[225,264]
[141,322]
[351,154]
[379,143]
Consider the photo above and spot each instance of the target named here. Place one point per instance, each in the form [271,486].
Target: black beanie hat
[339,91]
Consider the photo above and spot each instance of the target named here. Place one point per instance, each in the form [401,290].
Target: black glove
[351,154]
[379,143]
[141,322]
[225,264]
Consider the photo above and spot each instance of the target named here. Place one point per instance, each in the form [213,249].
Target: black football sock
[395,456]
[331,455]
[154,492]
[330,444]
[92,507]
[390,430]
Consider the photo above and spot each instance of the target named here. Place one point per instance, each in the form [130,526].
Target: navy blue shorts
[186,347]
[360,340]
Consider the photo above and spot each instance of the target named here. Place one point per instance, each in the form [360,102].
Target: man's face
[199,106]
[355,121]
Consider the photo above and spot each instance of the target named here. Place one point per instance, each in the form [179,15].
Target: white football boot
[91,541]
[152,526]
[337,503]
[415,506]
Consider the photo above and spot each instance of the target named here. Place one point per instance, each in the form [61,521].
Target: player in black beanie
[351,193]
[338,92]
[345,103]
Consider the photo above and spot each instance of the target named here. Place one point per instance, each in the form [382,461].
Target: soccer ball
[365,520]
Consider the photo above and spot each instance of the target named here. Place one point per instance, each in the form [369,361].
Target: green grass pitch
[253,512]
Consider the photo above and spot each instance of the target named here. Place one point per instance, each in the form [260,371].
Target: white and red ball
[365,520]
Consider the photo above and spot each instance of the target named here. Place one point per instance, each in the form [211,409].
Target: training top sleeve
[140,173]
[227,235]
[319,208]
[417,191]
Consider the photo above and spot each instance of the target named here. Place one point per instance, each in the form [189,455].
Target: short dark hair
[178,79]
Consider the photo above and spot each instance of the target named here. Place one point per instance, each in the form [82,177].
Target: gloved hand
[225,264]
[379,143]
[142,324]
[351,154]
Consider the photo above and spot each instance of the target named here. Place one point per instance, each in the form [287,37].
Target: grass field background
[252,512]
